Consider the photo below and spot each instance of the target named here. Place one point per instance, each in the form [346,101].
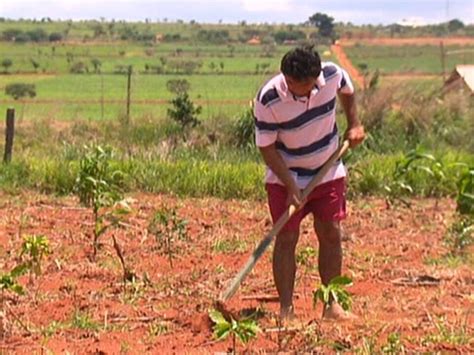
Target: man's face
[300,87]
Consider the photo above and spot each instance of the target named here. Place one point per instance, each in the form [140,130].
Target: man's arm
[355,131]
[275,162]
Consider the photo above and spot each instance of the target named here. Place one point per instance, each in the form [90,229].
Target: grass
[409,59]
[222,91]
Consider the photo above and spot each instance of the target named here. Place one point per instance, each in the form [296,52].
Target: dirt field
[81,307]
[345,63]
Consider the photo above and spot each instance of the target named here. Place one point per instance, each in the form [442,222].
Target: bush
[37,35]
[177,86]
[79,68]
[184,112]
[20,90]
[244,130]
[55,37]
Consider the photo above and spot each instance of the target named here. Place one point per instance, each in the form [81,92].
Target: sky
[251,11]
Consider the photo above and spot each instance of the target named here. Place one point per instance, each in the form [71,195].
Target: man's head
[301,67]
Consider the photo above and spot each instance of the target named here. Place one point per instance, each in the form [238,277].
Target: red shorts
[327,203]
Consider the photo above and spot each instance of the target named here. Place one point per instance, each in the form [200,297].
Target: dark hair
[301,63]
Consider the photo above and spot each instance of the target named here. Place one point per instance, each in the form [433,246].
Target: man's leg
[284,270]
[330,262]
[330,249]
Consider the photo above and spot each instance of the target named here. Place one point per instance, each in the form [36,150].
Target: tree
[20,90]
[184,112]
[324,23]
[97,64]
[7,63]
[455,25]
[35,64]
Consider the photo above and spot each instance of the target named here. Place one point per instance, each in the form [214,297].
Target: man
[296,132]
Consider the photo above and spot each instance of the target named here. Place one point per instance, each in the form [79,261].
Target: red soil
[165,311]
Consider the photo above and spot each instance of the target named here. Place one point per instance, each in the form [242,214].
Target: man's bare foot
[335,312]
[287,313]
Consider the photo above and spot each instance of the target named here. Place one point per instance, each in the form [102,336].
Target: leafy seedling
[334,292]
[35,247]
[244,329]
[168,228]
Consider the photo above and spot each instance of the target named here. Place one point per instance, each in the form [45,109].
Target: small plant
[83,321]
[465,198]
[304,257]
[334,291]
[245,129]
[184,112]
[460,235]
[393,345]
[167,228]
[35,247]
[8,281]
[244,329]
[97,186]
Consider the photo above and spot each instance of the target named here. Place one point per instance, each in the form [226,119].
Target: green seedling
[460,235]
[244,329]
[306,257]
[35,247]
[168,228]
[334,291]
[97,186]
[8,281]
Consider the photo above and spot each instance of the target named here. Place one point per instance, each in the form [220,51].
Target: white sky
[232,11]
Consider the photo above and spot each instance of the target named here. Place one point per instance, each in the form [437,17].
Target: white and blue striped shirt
[303,129]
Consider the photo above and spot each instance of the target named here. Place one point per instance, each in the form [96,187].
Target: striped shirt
[303,129]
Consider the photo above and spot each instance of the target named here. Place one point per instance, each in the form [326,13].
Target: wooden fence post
[9,133]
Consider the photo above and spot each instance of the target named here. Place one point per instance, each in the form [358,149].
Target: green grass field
[408,59]
[227,79]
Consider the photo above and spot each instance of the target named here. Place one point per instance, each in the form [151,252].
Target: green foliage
[213,36]
[457,334]
[79,68]
[324,23]
[8,281]
[244,329]
[393,345]
[83,321]
[35,247]
[184,112]
[6,63]
[282,36]
[98,186]
[420,172]
[178,86]
[20,90]
[306,257]
[334,291]
[460,235]
[168,227]
[244,130]
[55,37]
[465,197]
[96,63]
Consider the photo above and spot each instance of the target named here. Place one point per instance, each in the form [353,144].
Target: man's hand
[295,196]
[355,135]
